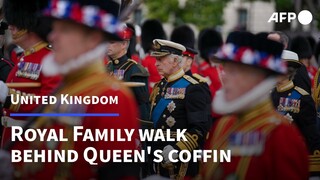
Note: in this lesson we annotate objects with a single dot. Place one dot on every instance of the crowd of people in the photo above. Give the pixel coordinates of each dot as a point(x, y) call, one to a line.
point(257, 95)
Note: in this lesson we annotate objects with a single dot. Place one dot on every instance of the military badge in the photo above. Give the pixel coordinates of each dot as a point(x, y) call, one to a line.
point(29, 70)
point(156, 46)
point(170, 121)
point(247, 143)
point(289, 105)
point(175, 93)
point(69, 108)
point(119, 73)
point(171, 106)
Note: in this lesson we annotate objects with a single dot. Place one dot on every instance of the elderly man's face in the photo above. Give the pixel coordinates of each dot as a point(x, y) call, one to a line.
point(238, 79)
point(70, 40)
point(166, 65)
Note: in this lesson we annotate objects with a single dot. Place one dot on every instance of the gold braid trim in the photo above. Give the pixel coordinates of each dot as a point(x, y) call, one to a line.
point(314, 162)
point(190, 144)
point(63, 169)
point(15, 93)
point(316, 89)
point(220, 140)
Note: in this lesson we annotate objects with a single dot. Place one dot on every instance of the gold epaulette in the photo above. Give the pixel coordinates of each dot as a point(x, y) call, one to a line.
point(314, 161)
point(190, 79)
point(199, 77)
point(301, 91)
point(135, 62)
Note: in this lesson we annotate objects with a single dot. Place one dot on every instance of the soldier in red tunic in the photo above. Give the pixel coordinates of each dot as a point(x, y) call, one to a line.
point(80, 30)
point(28, 32)
point(263, 144)
point(209, 41)
point(150, 30)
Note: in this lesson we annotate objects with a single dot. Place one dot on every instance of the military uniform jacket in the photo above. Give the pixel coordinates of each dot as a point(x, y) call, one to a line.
point(149, 63)
point(90, 81)
point(29, 70)
point(5, 68)
point(263, 146)
point(212, 74)
point(298, 107)
point(180, 102)
point(130, 71)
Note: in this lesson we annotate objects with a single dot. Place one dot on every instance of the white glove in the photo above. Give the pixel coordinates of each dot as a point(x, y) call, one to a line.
point(165, 154)
point(3, 91)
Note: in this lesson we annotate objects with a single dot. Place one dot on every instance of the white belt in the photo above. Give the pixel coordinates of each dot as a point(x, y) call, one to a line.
point(9, 122)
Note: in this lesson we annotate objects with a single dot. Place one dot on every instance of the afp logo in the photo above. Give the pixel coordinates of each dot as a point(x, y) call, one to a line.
point(304, 17)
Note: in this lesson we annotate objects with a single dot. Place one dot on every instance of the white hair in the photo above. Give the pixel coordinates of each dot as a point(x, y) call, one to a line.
point(178, 58)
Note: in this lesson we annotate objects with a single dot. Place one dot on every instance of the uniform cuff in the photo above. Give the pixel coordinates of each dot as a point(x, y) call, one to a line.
point(190, 144)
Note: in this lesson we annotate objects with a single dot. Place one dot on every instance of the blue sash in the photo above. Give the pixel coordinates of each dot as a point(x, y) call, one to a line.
point(163, 103)
point(295, 95)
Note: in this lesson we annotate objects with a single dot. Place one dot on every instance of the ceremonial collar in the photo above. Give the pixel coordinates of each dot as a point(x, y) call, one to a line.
point(285, 87)
point(175, 75)
point(189, 73)
point(120, 60)
point(261, 108)
point(35, 48)
point(52, 68)
point(96, 67)
point(249, 100)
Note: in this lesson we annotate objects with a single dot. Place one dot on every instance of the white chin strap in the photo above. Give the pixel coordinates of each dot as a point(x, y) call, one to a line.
point(51, 68)
point(251, 98)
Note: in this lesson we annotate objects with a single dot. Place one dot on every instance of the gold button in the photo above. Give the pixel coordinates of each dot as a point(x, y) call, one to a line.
point(164, 116)
point(116, 61)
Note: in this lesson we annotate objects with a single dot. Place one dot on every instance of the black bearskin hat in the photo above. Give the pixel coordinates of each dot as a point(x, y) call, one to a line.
point(151, 29)
point(183, 35)
point(301, 46)
point(209, 42)
point(25, 15)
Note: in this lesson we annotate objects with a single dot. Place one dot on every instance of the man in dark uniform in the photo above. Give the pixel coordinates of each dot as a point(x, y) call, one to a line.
point(178, 102)
point(128, 70)
point(123, 68)
point(184, 35)
point(296, 104)
point(301, 77)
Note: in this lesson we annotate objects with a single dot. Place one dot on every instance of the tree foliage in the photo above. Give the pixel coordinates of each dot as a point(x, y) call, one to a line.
point(202, 13)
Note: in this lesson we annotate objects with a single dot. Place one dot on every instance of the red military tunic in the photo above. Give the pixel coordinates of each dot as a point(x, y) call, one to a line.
point(90, 81)
point(212, 74)
point(149, 63)
point(263, 146)
point(28, 70)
